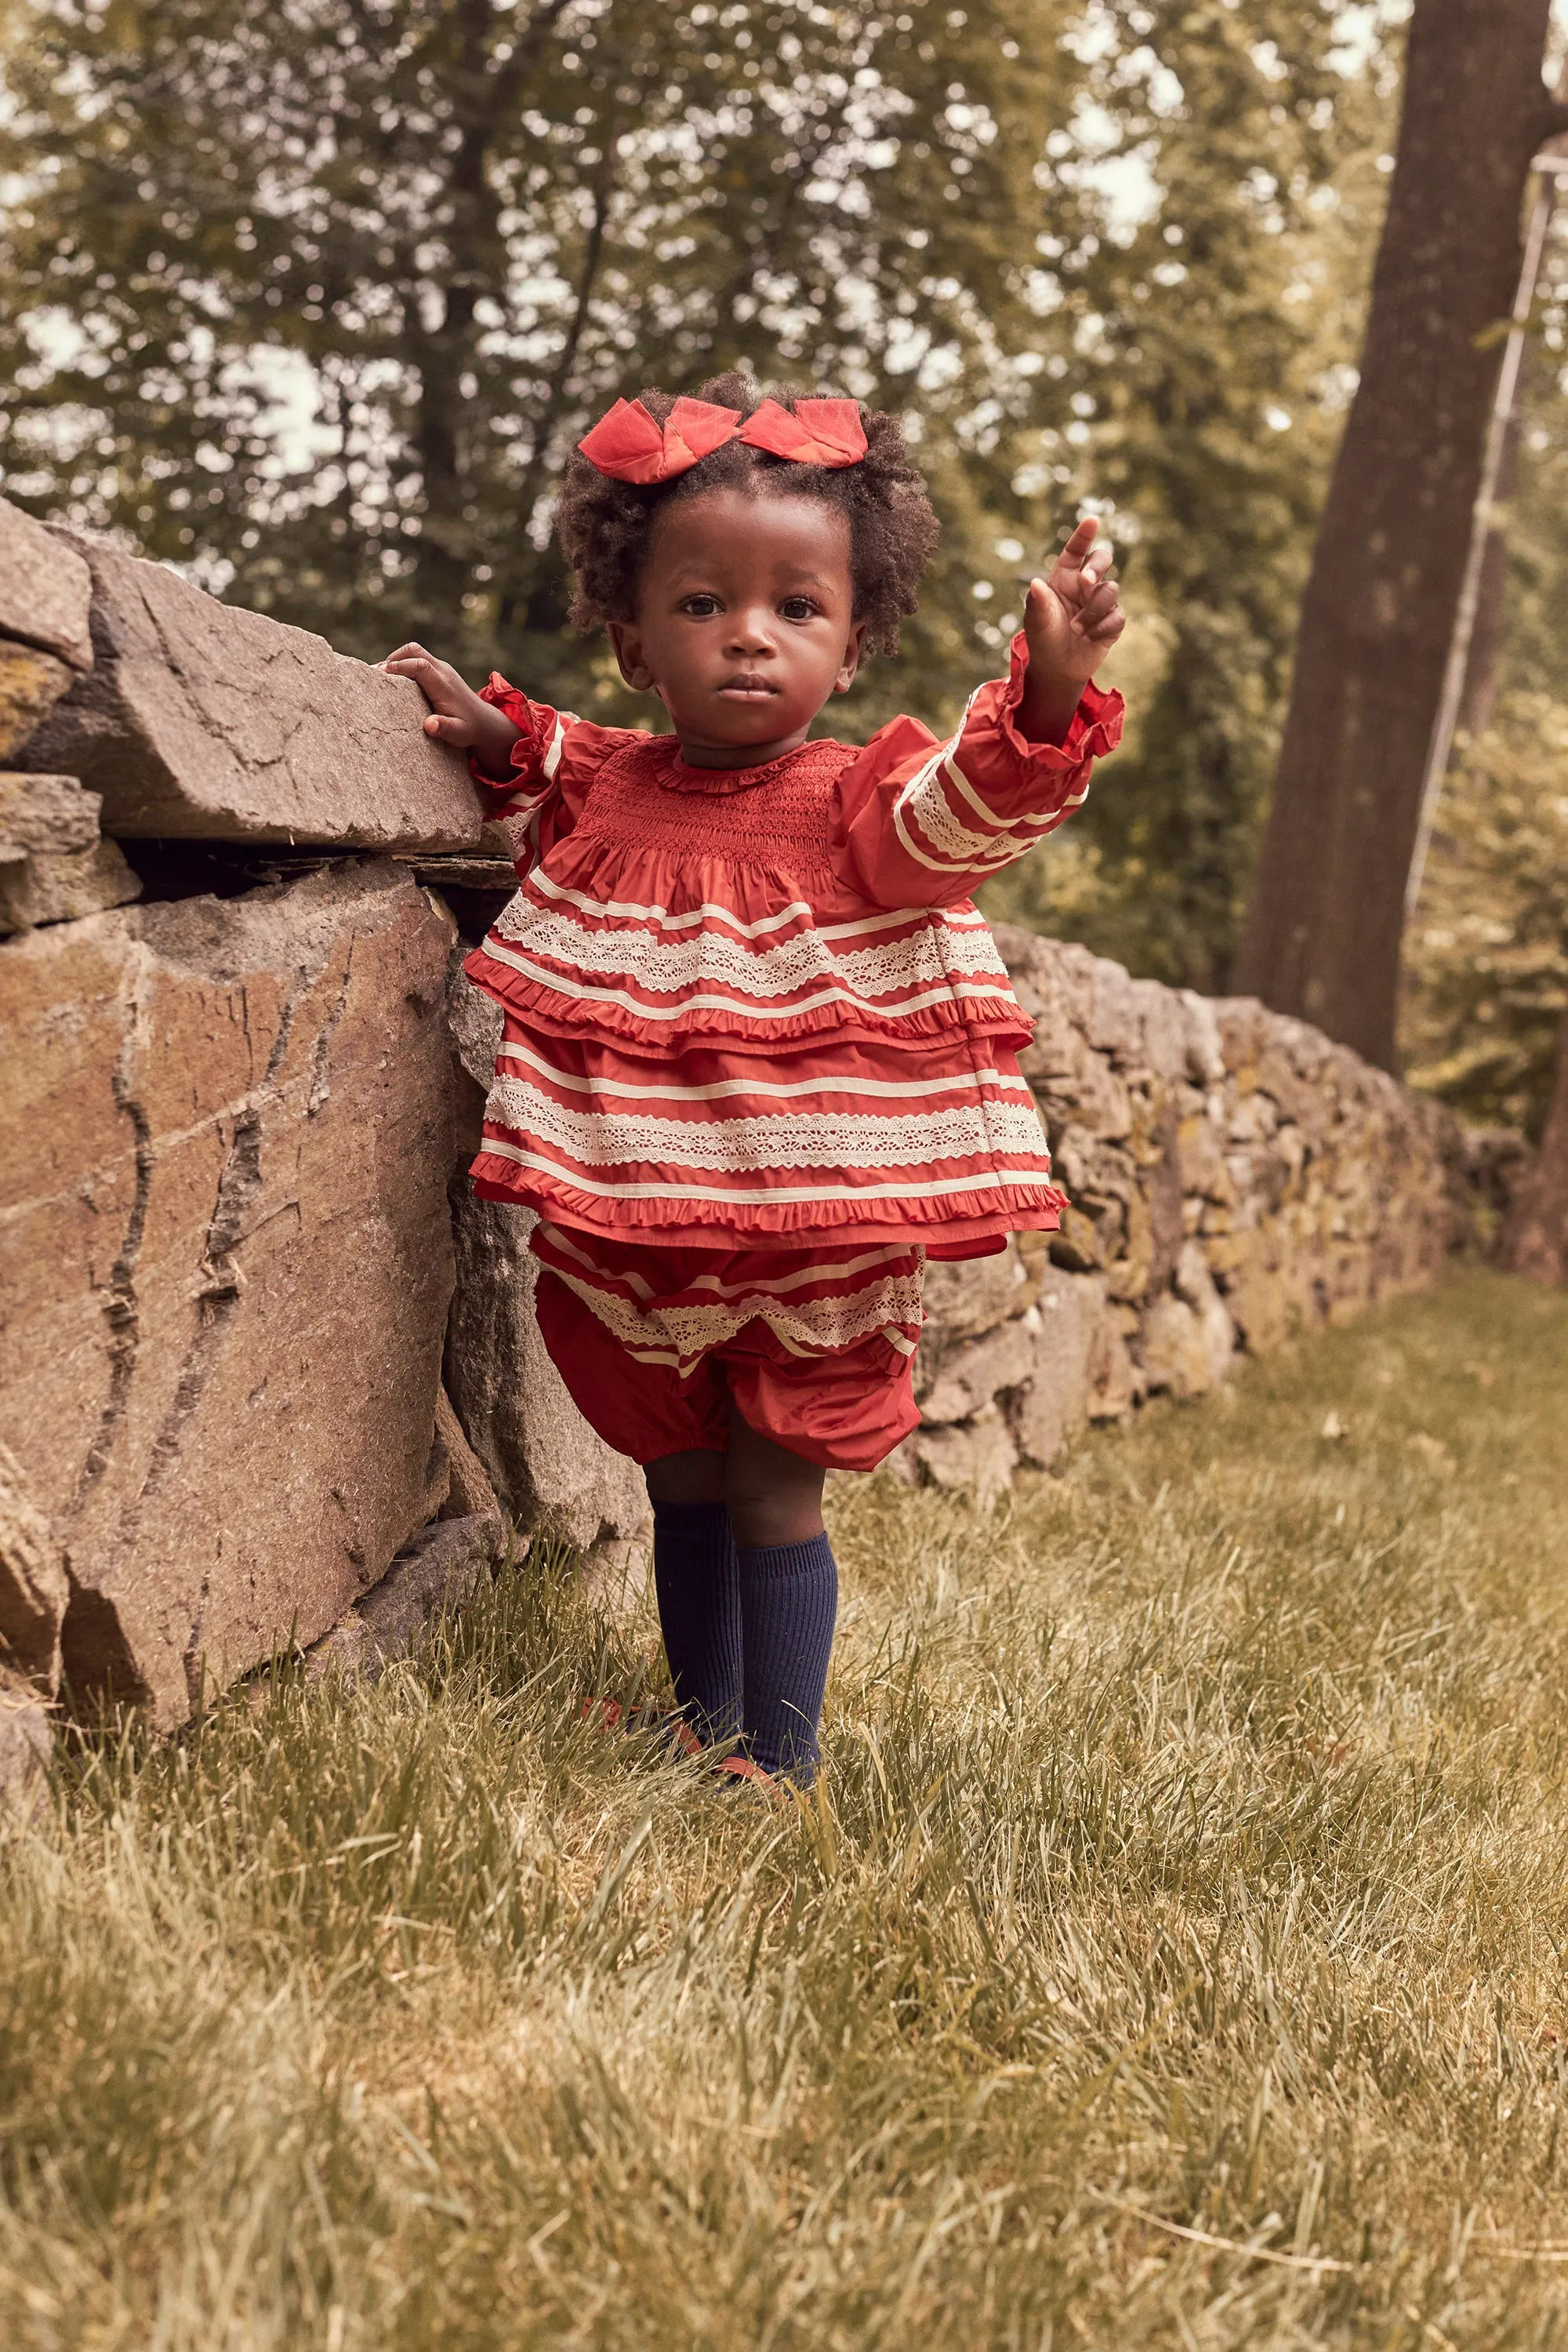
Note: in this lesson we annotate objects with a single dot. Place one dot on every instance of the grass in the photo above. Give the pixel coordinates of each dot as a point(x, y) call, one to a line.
point(1174, 1954)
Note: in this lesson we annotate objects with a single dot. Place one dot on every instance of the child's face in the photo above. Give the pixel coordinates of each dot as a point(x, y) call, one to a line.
point(744, 622)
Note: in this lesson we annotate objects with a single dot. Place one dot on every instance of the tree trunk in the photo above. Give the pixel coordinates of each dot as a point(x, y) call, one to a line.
point(1322, 931)
point(1479, 699)
point(1535, 1239)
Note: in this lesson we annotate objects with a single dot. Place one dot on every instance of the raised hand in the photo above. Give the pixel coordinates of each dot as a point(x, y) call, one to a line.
point(457, 715)
point(1071, 620)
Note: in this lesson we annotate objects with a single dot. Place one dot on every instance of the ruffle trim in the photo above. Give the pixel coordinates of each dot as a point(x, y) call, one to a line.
point(997, 1017)
point(1094, 730)
point(524, 717)
point(1009, 1209)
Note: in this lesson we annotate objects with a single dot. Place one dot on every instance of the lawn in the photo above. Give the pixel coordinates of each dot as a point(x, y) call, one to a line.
point(1175, 1953)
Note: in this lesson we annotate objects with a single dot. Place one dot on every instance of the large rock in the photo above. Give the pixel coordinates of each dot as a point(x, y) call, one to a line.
point(1055, 1405)
point(201, 720)
point(552, 1474)
point(45, 589)
point(37, 890)
point(225, 1262)
point(44, 817)
point(24, 1747)
point(53, 867)
point(435, 1574)
point(31, 683)
point(34, 1588)
point(980, 1454)
point(555, 1476)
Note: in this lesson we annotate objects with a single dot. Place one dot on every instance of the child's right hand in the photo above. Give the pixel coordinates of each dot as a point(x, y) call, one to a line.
point(457, 715)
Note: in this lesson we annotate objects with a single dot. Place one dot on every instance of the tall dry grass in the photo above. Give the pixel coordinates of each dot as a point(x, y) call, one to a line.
point(1172, 1955)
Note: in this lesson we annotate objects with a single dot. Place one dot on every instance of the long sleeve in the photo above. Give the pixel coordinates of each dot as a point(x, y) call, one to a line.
point(552, 760)
point(921, 824)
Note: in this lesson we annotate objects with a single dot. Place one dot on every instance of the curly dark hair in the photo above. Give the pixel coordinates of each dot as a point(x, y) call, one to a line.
point(604, 526)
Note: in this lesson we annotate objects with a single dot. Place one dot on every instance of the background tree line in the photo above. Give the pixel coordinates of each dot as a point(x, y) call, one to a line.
point(313, 297)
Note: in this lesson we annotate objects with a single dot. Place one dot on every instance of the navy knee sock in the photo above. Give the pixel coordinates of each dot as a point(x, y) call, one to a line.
point(789, 1600)
point(696, 1578)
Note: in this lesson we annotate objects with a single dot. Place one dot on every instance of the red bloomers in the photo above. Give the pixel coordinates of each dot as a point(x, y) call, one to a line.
point(814, 1349)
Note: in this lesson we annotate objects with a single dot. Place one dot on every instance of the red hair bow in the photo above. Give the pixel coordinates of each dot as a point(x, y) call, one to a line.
point(820, 432)
point(629, 447)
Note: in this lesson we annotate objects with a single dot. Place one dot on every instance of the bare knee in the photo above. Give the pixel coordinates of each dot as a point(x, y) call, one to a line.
point(775, 1496)
point(690, 1477)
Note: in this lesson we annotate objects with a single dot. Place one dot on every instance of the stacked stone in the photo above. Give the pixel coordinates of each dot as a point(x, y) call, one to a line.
point(234, 1110)
point(1233, 1177)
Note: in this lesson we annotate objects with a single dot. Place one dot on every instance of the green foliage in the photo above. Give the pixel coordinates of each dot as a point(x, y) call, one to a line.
point(1189, 1853)
point(1487, 957)
point(456, 229)
point(313, 297)
point(1486, 981)
point(1225, 404)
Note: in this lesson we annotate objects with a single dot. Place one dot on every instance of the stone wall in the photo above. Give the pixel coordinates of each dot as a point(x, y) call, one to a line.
point(1233, 1177)
point(268, 1373)
point(236, 1107)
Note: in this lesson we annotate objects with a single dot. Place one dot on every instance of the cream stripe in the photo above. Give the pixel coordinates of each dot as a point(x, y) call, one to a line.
point(974, 921)
point(814, 1328)
point(633, 910)
point(724, 1088)
point(778, 1011)
point(918, 782)
point(983, 809)
point(551, 761)
point(761, 970)
point(799, 1138)
point(634, 1281)
point(999, 1179)
point(937, 864)
point(889, 1253)
point(630, 910)
point(972, 853)
point(940, 820)
point(1010, 828)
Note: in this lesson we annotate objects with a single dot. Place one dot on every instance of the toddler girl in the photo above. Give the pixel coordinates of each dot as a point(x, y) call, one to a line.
point(758, 1056)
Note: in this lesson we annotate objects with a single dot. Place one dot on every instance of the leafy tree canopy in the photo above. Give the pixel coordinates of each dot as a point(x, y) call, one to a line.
point(313, 297)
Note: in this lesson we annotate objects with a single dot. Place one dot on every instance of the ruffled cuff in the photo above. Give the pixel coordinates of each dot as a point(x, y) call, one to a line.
point(1094, 729)
point(520, 711)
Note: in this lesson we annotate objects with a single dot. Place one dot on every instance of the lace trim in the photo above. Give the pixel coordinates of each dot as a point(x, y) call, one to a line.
point(834, 1140)
point(816, 1326)
point(927, 800)
point(668, 967)
point(948, 993)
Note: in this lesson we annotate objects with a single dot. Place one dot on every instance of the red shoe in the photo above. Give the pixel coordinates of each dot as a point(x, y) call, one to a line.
point(610, 1712)
point(740, 1769)
point(615, 1716)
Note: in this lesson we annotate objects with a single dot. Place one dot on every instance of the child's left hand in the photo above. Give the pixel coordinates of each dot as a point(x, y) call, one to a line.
point(1071, 620)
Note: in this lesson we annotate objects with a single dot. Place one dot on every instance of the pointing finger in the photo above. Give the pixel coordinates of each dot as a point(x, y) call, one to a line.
point(1083, 538)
